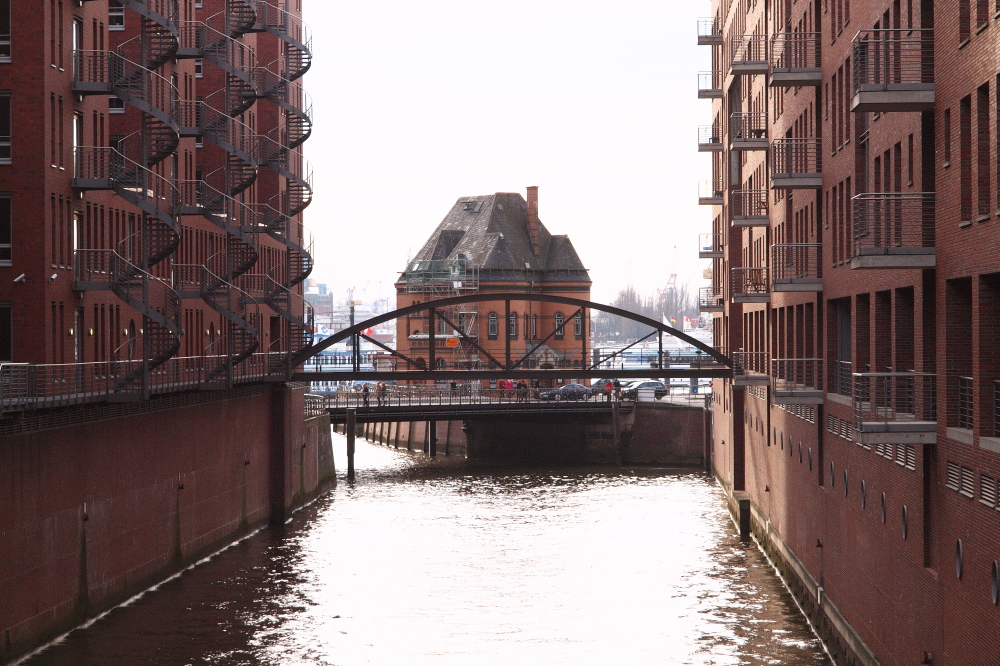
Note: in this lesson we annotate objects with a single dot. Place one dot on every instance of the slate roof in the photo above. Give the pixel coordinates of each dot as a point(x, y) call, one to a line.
point(491, 231)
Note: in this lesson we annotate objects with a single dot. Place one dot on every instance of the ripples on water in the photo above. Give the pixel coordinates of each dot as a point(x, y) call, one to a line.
point(443, 563)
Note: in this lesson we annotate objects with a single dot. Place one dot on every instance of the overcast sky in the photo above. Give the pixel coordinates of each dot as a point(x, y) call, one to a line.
point(420, 103)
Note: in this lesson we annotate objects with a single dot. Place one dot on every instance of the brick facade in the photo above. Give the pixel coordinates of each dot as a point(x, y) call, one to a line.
point(890, 400)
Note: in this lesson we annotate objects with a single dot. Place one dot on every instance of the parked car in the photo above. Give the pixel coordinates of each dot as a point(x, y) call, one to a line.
point(566, 392)
point(631, 392)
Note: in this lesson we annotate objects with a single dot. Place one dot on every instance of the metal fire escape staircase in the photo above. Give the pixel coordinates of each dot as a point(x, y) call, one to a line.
point(242, 337)
point(129, 73)
point(285, 229)
point(237, 60)
point(291, 307)
point(290, 164)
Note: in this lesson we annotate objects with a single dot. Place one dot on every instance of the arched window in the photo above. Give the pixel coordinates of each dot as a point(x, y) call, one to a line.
point(493, 326)
point(441, 364)
point(559, 325)
point(578, 325)
point(512, 326)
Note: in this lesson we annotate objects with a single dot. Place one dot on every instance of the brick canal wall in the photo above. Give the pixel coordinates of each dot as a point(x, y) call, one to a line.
point(651, 434)
point(92, 514)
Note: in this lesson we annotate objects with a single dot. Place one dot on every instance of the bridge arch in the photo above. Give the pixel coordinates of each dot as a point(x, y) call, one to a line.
point(443, 303)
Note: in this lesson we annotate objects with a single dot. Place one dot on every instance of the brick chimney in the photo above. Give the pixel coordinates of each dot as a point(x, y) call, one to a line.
point(533, 223)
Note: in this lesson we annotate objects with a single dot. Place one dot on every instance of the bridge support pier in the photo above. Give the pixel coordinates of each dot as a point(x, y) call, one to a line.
point(350, 429)
point(432, 438)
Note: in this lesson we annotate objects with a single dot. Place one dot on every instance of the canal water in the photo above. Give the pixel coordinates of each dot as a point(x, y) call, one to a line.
point(449, 563)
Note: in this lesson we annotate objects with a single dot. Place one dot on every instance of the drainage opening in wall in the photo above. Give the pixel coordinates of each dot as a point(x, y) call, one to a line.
point(996, 583)
point(959, 559)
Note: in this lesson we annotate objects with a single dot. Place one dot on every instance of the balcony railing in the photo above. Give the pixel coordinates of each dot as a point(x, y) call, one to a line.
point(709, 300)
point(895, 407)
point(965, 402)
point(710, 138)
point(795, 59)
point(709, 246)
point(751, 368)
point(893, 230)
point(797, 381)
point(749, 284)
point(709, 31)
point(748, 131)
point(710, 192)
point(749, 208)
point(749, 54)
point(797, 267)
point(710, 85)
point(893, 70)
point(996, 408)
point(796, 164)
point(843, 378)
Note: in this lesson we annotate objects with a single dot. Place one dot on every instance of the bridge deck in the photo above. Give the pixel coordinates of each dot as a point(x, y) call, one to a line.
point(427, 405)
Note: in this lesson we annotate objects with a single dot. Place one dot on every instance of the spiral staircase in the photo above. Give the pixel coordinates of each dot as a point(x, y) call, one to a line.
point(128, 72)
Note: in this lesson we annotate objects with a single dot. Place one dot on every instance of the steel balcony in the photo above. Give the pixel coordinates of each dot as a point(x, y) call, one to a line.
point(709, 300)
point(748, 131)
point(893, 70)
point(710, 192)
point(796, 267)
point(895, 407)
point(749, 55)
point(710, 246)
point(751, 368)
point(710, 138)
point(797, 381)
point(710, 85)
point(709, 31)
point(893, 230)
point(796, 164)
point(749, 284)
point(749, 208)
point(795, 59)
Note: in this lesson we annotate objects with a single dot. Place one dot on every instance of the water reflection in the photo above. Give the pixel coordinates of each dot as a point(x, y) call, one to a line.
point(420, 562)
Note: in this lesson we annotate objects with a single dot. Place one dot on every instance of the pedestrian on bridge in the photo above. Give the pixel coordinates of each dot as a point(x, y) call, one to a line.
point(364, 394)
point(618, 390)
point(608, 388)
point(380, 389)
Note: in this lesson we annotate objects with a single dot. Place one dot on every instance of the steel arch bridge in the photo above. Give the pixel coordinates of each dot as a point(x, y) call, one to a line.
point(706, 362)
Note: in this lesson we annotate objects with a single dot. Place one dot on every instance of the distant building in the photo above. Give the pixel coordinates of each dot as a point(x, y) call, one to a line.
point(496, 243)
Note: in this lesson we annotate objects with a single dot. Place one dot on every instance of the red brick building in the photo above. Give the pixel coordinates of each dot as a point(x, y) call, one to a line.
point(496, 243)
point(151, 190)
point(856, 282)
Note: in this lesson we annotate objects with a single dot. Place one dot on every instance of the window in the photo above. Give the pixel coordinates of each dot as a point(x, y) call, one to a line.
point(4, 30)
point(512, 326)
point(116, 15)
point(6, 222)
point(199, 68)
point(6, 332)
point(559, 325)
point(5, 151)
point(534, 327)
point(492, 330)
point(578, 325)
point(116, 104)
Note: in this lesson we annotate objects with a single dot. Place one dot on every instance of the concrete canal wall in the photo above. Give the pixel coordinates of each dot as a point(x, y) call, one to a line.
point(97, 510)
